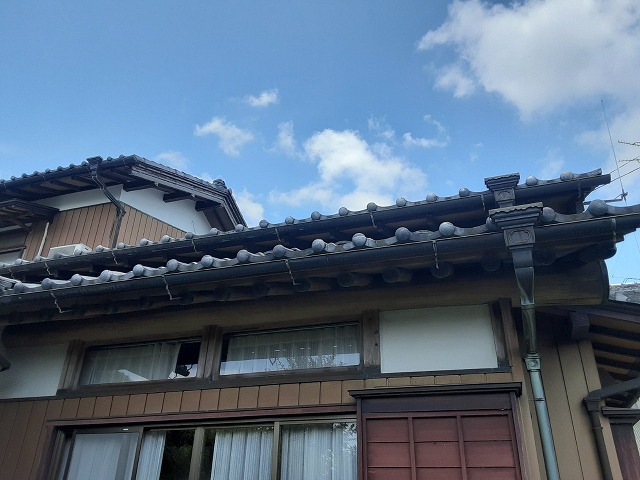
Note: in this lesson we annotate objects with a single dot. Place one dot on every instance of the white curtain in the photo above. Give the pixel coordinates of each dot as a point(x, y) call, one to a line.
point(154, 361)
point(103, 456)
point(319, 452)
point(242, 454)
point(150, 461)
point(301, 349)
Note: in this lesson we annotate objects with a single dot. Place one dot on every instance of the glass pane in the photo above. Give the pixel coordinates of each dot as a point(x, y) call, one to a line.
point(318, 452)
point(237, 454)
point(135, 363)
point(176, 460)
point(300, 349)
point(102, 456)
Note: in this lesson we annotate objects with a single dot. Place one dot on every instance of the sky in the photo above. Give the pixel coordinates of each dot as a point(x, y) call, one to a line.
point(310, 106)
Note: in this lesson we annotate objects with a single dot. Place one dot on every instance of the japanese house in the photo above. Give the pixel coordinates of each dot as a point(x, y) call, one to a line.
point(456, 337)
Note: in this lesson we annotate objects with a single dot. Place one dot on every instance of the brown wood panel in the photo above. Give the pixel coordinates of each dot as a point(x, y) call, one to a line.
point(437, 454)
point(70, 407)
point(489, 454)
point(398, 381)
point(310, 393)
point(438, 429)
point(288, 395)
point(438, 474)
point(481, 428)
point(29, 451)
point(74, 231)
point(53, 411)
point(388, 454)
point(627, 450)
point(375, 382)
point(381, 430)
point(119, 405)
point(577, 388)
point(102, 407)
point(209, 399)
point(136, 404)
point(190, 401)
point(268, 396)
point(18, 431)
point(389, 474)
point(447, 379)
point(228, 398)
point(330, 392)
point(128, 221)
point(248, 397)
point(423, 380)
point(33, 240)
point(491, 474)
point(86, 407)
point(350, 385)
point(171, 402)
point(558, 405)
point(154, 403)
point(103, 221)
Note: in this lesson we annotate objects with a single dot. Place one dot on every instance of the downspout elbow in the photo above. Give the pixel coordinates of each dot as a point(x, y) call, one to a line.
point(94, 166)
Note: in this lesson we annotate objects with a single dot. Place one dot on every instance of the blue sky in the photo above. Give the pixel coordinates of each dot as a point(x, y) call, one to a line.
point(303, 106)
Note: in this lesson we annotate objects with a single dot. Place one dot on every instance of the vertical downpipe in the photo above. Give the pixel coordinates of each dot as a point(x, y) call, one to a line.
point(517, 224)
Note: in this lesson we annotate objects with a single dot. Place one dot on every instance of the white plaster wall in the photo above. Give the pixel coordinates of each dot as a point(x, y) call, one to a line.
point(180, 214)
point(34, 372)
point(80, 199)
point(443, 338)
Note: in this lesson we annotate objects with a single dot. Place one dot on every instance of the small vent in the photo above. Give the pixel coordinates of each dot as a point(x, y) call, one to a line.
point(68, 250)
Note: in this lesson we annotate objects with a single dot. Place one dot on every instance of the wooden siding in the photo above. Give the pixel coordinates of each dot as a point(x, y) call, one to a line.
point(569, 373)
point(24, 426)
point(93, 226)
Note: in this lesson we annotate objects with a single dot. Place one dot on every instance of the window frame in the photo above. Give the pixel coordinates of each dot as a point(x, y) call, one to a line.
point(77, 355)
point(64, 438)
point(293, 374)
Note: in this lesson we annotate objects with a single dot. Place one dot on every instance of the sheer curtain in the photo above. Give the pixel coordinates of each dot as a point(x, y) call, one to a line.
point(319, 452)
point(150, 461)
point(242, 454)
point(154, 361)
point(297, 349)
point(103, 456)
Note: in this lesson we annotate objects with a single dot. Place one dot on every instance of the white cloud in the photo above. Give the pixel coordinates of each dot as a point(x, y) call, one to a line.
point(352, 173)
point(441, 139)
point(285, 142)
point(264, 98)
point(173, 159)
point(230, 138)
point(381, 128)
point(541, 54)
point(552, 166)
point(251, 209)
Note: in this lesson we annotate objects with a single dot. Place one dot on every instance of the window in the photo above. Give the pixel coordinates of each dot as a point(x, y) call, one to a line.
point(293, 349)
point(318, 449)
point(11, 245)
point(140, 362)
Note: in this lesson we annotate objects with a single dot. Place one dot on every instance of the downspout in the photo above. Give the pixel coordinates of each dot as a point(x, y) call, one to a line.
point(592, 402)
point(517, 224)
point(94, 164)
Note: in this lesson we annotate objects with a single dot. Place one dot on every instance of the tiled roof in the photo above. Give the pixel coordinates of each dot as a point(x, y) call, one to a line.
point(207, 247)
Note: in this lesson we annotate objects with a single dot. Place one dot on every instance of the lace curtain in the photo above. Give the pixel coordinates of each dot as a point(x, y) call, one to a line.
point(102, 456)
point(151, 452)
point(154, 361)
point(319, 452)
point(242, 454)
point(323, 347)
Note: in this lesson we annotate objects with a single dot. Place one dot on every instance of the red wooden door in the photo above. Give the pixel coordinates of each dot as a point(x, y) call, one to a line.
point(440, 446)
